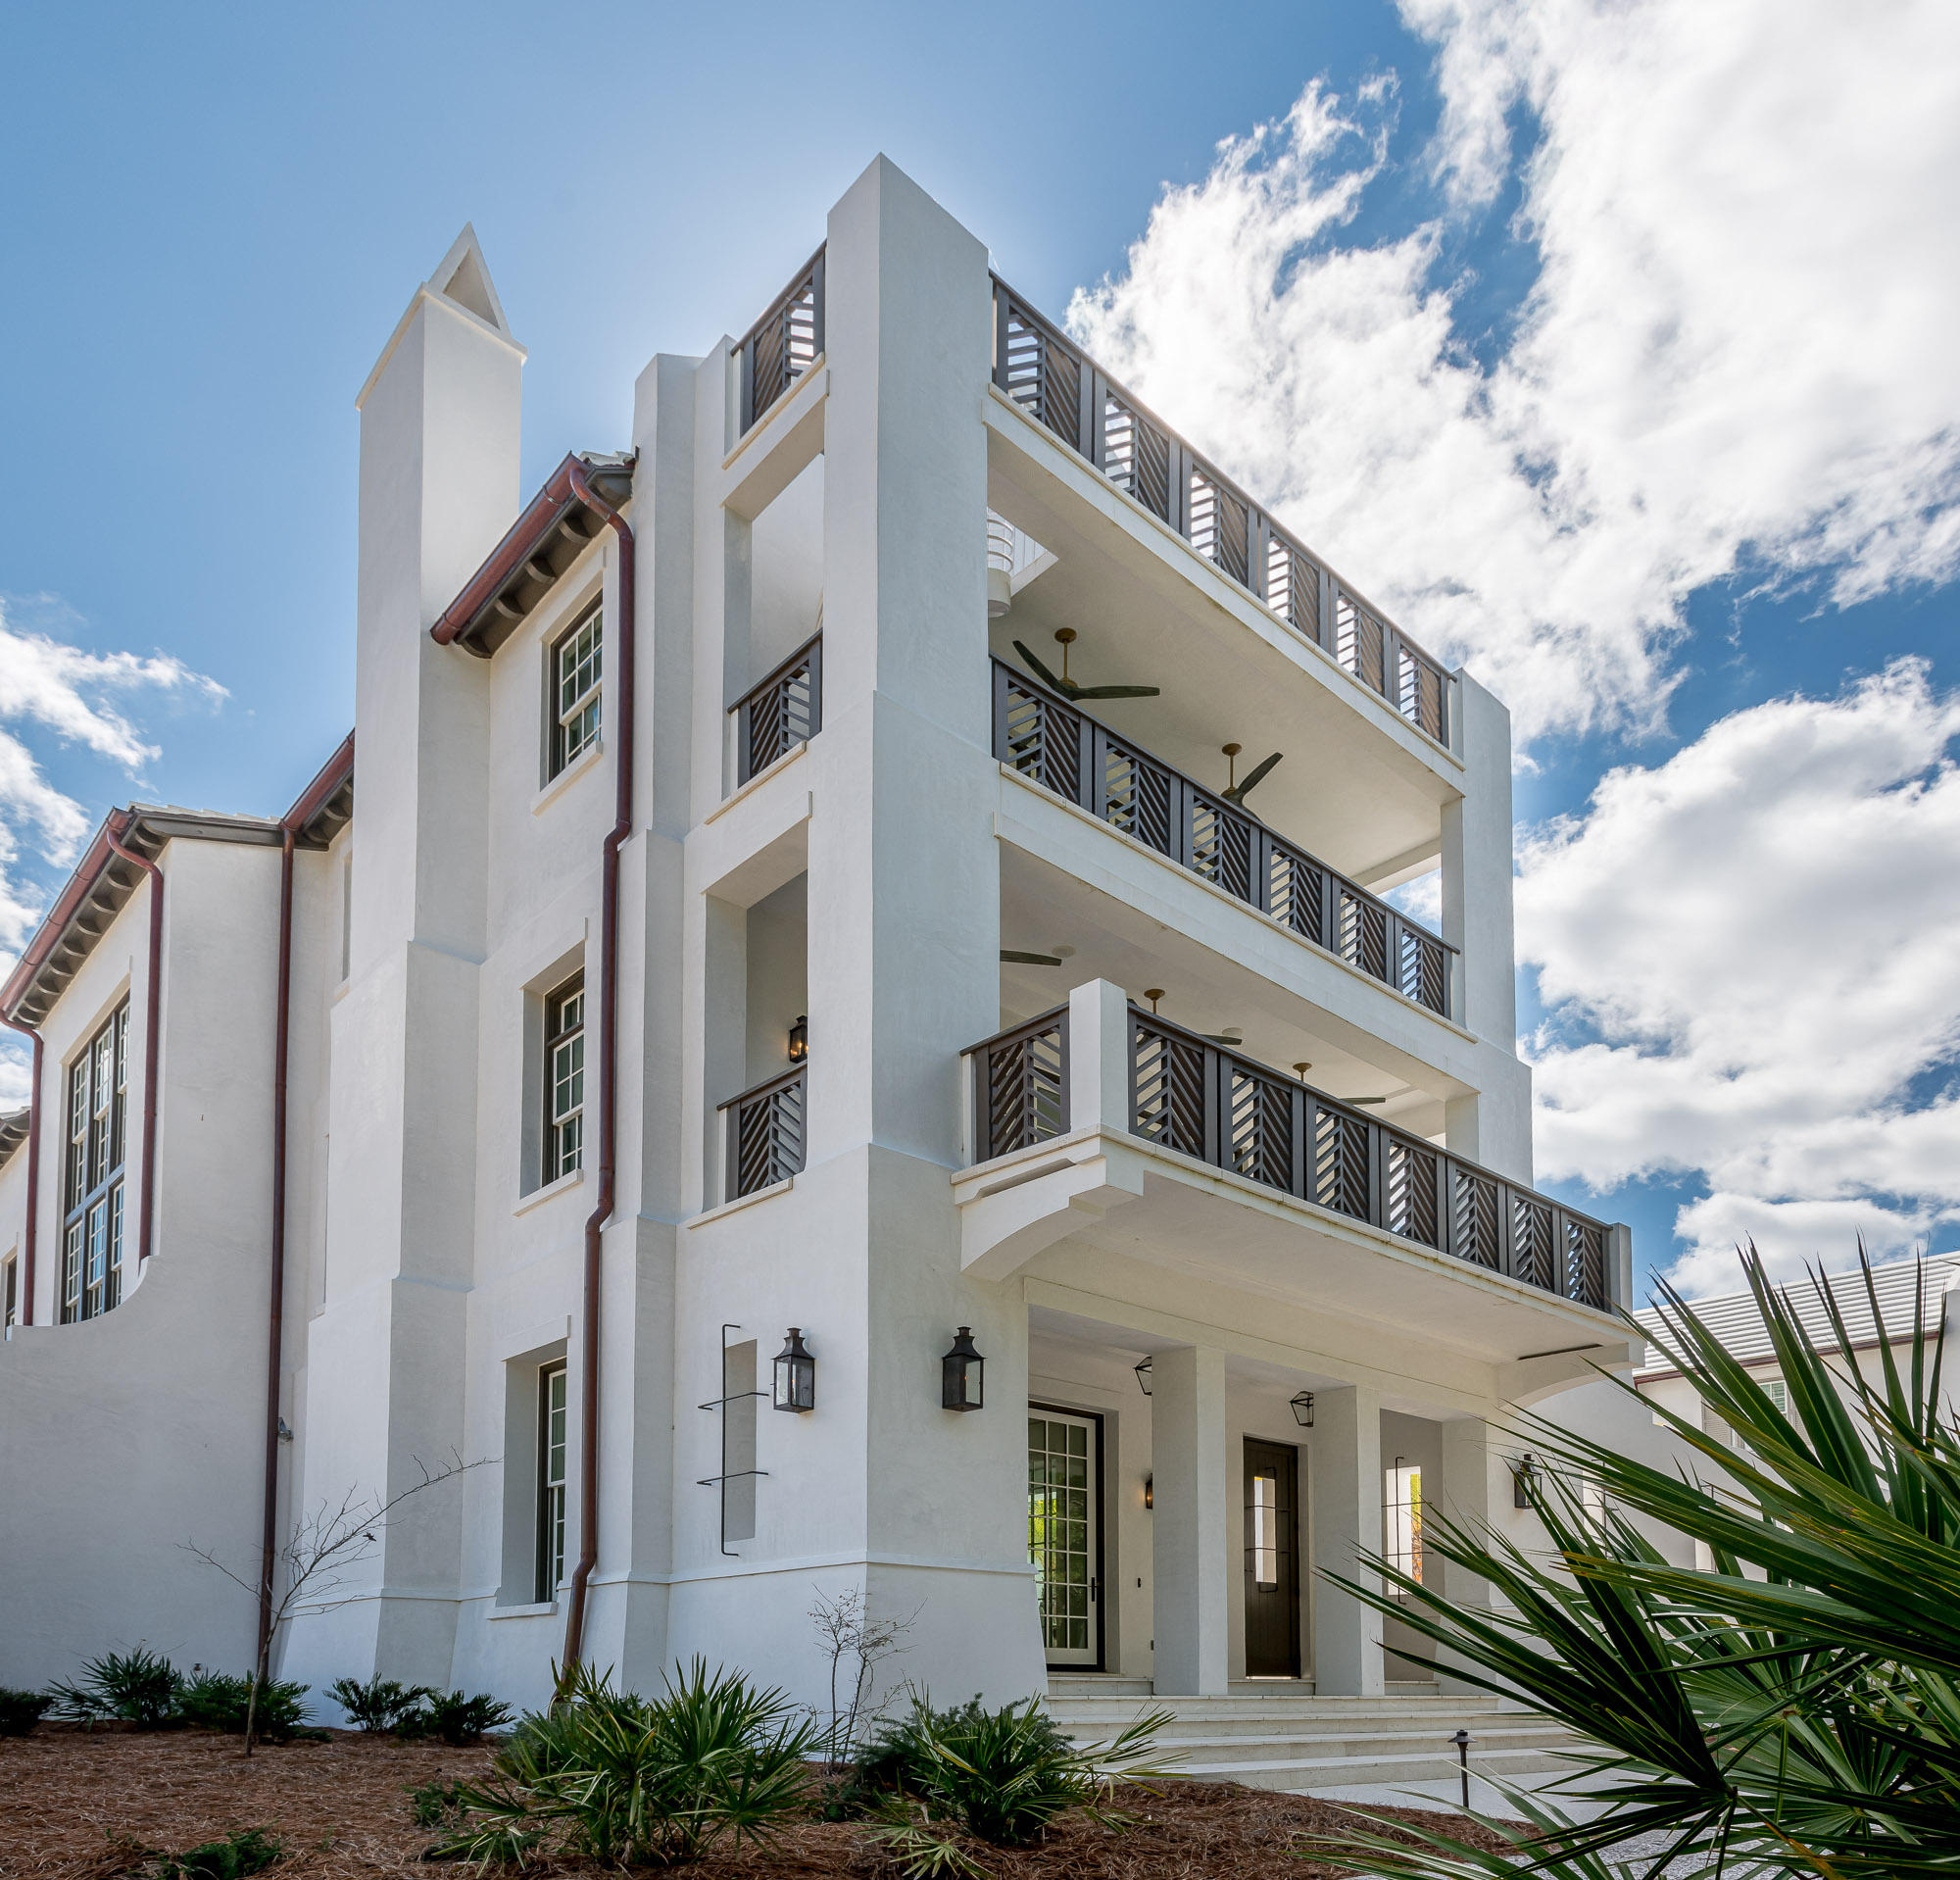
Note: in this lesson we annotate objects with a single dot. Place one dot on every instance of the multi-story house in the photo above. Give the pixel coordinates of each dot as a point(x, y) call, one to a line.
point(808, 883)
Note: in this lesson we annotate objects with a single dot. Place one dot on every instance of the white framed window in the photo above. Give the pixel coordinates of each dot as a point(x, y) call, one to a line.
point(565, 1079)
point(92, 1172)
point(1402, 1512)
point(575, 671)
point(10, 1296)
point(1778, 1394)
point(551, 1482)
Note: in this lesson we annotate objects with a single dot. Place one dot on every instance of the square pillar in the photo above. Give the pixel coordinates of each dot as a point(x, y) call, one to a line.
point(1191, 1538)
point(1475, 1475)
point(1102, 1082)
point(1347, 1488)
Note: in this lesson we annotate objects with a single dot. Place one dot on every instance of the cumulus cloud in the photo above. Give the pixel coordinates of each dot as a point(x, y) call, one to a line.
point(1747, 953)
point(1735, 358)
point(83, 699)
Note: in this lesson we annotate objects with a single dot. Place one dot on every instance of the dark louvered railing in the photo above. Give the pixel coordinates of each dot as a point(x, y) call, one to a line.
point(781, 712)
point(1051, 379)
point(1190, 1094)
point(1043, 738)
point(766, 1139)
point(783, 344)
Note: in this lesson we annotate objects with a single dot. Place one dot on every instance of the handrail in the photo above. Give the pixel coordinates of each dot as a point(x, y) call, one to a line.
point(1193, 1097)
point(783, 344)
point(780, 711)
point(766, 1133)
point(1044, 737)
point(1040, 368)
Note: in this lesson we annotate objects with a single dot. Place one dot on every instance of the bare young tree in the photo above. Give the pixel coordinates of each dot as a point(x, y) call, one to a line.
point(857, 1643)
point(318, 1558)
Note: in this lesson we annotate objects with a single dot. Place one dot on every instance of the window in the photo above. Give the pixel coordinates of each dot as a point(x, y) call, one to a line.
point(575, 692)
point(1265, 1529)
point(551, 1482)
point(10, 1300)
point(92, 1175)
point(565, 1079)
point(1778, 1394)
point(1403, 1511)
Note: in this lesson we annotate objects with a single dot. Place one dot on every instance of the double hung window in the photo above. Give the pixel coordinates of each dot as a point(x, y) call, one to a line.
point(92, 1172)
point(575, 660)
point(564, 1080)
point(551, 1482)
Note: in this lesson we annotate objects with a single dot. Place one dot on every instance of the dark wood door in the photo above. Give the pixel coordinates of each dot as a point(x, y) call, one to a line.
point(1272, 1560)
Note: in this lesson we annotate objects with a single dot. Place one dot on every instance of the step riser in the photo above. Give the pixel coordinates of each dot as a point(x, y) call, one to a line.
point(1338, 1748)
point(1392, 1775)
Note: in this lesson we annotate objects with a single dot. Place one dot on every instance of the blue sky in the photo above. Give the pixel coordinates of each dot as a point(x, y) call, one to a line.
point(1648, 422)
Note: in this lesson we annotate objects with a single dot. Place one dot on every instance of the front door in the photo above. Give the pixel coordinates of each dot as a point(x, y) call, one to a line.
point(1065, 1532)
point(1272, 1560)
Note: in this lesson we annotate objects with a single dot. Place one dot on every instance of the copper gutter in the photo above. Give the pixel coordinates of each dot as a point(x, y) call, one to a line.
point(609, 1064)
point(34, 1168)
point(152, 1013)
point(338, 768)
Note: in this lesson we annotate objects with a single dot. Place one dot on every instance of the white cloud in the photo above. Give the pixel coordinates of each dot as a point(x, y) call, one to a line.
point(1737, 356)
point(1747, 956)
point(80, 698)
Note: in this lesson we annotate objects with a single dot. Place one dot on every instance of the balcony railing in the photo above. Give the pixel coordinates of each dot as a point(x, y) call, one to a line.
point(1051, 379)
point(1040, 735)
point(765, 1134)
point(1190, 1094)
point(782, 345)
point(781, 712)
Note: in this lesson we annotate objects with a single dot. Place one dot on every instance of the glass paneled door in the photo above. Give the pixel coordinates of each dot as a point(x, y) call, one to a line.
point(1065, 1532)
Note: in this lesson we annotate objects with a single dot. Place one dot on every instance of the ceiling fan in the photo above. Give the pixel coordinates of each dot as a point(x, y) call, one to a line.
point(1235, 791)
point(1067, 687)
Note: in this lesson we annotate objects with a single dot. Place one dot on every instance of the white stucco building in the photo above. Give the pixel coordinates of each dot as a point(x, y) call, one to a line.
point(717, 925)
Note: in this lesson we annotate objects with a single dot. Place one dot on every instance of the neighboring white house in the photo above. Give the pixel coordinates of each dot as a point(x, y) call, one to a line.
point(724, 929)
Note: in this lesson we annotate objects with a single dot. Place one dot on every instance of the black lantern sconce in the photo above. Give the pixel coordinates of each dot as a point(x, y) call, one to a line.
point(800, 1038)
point(1524, 1478)
point(1150, 1489)
point(1302, 1409)
point(962, 1374)
point(796, 1374)
point(1144, 1377)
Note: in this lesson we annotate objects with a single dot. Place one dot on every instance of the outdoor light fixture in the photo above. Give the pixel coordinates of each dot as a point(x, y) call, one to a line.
point(1150, 1489)
point(962, 1374)
point(800, 1039)
point(796, 1374)
point(1302, 1409)
point(1144, 1377)
point(1524, 1477)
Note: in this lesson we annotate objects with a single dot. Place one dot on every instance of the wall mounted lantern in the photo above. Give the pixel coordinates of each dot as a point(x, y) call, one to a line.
point(796, 1374)
point(800, 1038)
point(1150, 1489)
point(962, 1374)
point(1302, 1409)
point(1524, 1478)
point(1144, 1377)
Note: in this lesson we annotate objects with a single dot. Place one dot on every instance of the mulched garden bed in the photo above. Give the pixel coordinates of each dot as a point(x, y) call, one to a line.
point(80, 1806)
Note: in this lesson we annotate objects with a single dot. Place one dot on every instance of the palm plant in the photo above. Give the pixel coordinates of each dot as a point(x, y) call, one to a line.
point(1795, 1707)
point(621, 1779)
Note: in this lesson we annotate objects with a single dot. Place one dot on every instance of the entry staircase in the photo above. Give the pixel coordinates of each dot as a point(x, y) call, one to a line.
point(1271, 1736)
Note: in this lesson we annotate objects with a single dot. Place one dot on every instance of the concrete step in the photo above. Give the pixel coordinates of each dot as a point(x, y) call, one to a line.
point(1315, 1774)
point(1359, 1743)
point(1212, 1714)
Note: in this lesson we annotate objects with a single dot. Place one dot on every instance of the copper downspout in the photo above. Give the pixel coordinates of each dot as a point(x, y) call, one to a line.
point(337, 769)
point(609, 1062)
point(152, 1019)
point(33, 1171)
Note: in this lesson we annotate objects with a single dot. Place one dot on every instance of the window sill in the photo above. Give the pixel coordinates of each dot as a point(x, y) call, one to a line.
point(565, 778)
point(539, 1609)
point(549, 1192)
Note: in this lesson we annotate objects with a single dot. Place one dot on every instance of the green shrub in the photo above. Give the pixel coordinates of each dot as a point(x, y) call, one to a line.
point(456, 1718)
point(215, 1701)
point(138, 1687)
point(21, 1710)
point(250, 1851)
point(624, 1779)
point(380, 1706)
point(1002, 1775)
point(437, 1804)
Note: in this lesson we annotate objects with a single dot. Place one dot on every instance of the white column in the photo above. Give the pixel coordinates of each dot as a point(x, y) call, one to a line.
point(1346, 1477)
point(1191, 1537)
point(1099, 1077)
point(1467, 1494)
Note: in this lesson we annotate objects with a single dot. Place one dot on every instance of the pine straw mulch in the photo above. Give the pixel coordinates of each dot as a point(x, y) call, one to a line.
point(90, 1806)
